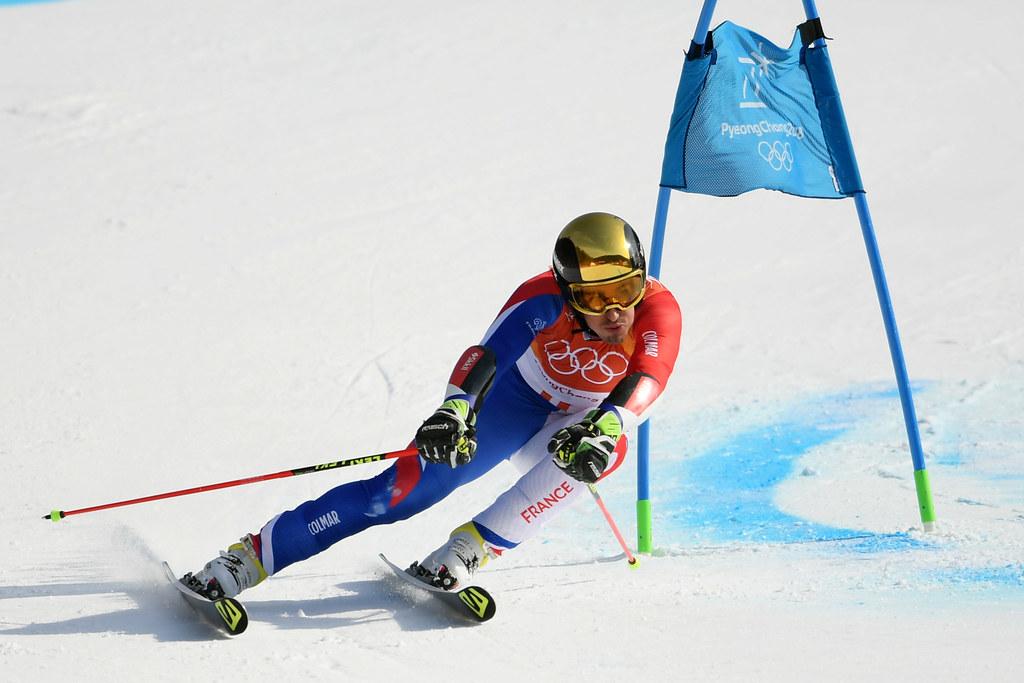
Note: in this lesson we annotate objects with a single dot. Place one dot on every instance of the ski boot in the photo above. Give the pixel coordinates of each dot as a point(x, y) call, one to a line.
point(231, 572)
point(453, 564)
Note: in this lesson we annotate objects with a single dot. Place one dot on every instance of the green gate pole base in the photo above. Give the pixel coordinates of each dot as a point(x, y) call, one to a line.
point(643, 527)
point(924, 499)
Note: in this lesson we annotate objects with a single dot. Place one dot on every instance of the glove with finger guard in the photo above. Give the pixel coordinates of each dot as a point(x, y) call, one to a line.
point(583, 449)
point(449, 435)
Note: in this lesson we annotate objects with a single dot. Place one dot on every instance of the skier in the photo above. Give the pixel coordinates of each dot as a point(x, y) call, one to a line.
point(575, 358)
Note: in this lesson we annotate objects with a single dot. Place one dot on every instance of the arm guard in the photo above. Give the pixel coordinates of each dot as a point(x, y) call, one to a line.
point(473, 376)
point(631, 398)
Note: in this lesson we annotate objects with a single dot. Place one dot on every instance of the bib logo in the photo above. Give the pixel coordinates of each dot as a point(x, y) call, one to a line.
point(594, 368)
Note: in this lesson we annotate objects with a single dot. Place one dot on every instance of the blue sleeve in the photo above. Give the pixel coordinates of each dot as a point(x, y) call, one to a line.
point(516, 326)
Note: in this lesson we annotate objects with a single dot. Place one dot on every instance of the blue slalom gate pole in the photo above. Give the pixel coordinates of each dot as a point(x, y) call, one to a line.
point(644, 524)
point(704, 21)
point(921, 482)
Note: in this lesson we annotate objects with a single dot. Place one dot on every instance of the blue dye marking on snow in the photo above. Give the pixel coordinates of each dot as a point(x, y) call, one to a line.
point(726, 493)
point(1006, 476)
point(881, 543)
point(947, 460)
point(1007, 575)
point(728, 490)
point(4, 3)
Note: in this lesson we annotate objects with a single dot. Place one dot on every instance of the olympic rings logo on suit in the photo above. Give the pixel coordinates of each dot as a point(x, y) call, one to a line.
point(585, 361)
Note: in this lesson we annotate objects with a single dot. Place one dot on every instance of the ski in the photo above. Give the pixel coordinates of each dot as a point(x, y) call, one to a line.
point(471, 602)
point(226, 614)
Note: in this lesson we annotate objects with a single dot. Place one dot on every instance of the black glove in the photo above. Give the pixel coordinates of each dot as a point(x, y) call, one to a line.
point(449, 435)
point(582, 450)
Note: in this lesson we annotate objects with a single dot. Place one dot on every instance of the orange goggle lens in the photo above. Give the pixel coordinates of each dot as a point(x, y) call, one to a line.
point(595, 298)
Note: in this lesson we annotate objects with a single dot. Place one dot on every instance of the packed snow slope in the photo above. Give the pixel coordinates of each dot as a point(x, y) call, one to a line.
point(242, 237)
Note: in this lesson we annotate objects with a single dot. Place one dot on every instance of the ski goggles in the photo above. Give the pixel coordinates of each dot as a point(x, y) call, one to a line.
point(594, 298)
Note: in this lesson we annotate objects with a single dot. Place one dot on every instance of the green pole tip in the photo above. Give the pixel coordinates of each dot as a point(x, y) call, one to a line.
point(644, 526)
point(635, 564)
point(55, 515)
point(924, 498)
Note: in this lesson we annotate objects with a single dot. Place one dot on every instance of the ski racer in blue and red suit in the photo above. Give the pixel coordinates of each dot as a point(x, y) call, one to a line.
point(575, 358)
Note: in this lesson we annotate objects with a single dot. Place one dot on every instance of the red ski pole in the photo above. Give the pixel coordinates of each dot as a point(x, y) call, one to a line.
point(630, 558)
point(58, 515)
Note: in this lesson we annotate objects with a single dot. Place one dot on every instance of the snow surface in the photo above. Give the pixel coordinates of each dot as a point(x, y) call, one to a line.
point(242, 237)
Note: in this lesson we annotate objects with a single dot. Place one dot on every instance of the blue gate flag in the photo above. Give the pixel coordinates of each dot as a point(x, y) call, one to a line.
point(750, 115)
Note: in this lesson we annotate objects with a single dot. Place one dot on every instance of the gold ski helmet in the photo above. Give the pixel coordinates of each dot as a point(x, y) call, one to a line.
point(599, 263)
